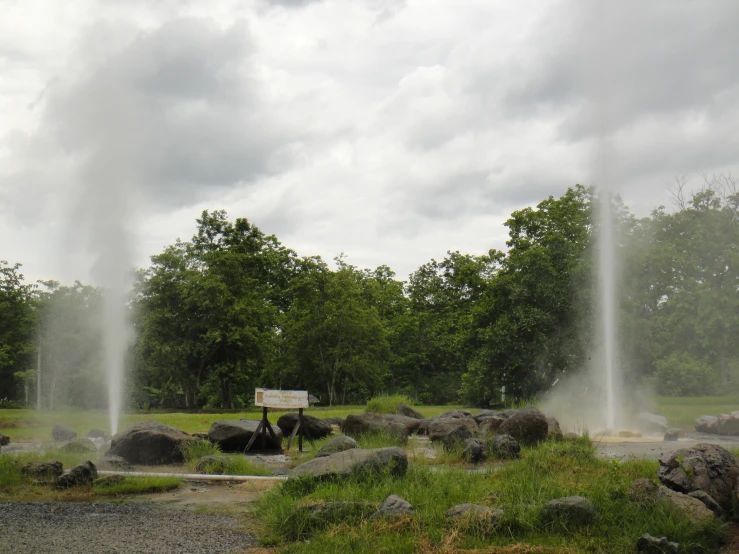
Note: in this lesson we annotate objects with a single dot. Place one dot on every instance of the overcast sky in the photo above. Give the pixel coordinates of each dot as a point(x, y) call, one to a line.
point(391, 130)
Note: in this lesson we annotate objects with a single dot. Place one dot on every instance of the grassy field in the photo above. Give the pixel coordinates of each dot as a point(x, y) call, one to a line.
point(22, 425)
point(520, 488)
point(31, 425)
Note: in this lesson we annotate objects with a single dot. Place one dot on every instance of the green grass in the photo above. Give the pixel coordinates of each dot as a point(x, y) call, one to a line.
point(138, 485)
point(681, 412)
point(22, 425)
point(196, 450)
point(237, 464)
point(387, 404)
point(548, 471)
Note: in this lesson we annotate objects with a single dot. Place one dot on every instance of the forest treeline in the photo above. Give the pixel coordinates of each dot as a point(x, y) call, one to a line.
point(233, 308)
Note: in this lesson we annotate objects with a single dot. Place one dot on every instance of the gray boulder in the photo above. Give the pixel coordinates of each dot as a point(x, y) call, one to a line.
point(671, 435)
point(4, 439)
point(439, 428)
point(455, 414)
point(407, 411)
point(505, 447)
point(554, 432)
point(691, 508)
point(651, 423)
point(337, 444)
point(80, 475)
point(394, 506)
point(410, 424)
point(369, 422)
point(212, 465)
point(571, 510)
point(97, 434)
point(79, 446)
point(474, 511)
point(527, 426)
point(356, 461)
point(704, 467)
point(706, 424)
point(313, 427)
point(150, 443)
point(115, 463)
point(652, 545)
point(456, 437)
point(473, 451)
point(490, 426)
point(63, 433)
point(643, 490)
point(233, 436)
point(43, 471)
point(484, 414)
point(728, 424)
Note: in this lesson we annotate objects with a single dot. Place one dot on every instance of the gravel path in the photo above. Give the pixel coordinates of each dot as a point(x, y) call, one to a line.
point(101, 528)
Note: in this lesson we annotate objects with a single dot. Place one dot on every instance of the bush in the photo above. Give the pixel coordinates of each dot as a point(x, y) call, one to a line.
point(684, 375)
point(387, 404)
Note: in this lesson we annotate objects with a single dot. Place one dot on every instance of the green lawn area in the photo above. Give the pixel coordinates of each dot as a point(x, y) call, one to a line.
point(31, 425)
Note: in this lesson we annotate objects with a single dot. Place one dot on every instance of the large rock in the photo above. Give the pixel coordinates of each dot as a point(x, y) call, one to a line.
point(571, 510)
point(505, 447)
point(651, 423)
point(79, 446)
point(438, 428)
point(455, 414)
point(410, 424)
point(4, 439)
point(652, 545)
point(63, 433)
point(43, 471)
point(150, 443)
point(313, 427)
point(407, 411)
point(728, 424)
point(355, 461)
point(705, 467)
point(456, 437)
point(527, 426)
point(233, 436)
point(692, 508)
point(706, 424)
point(484, 414)
point(708, 502)
point(490, 426)
point(394, 506)
point(555, 431)
point(80, 475)
point(337, 444)
point(473, 451)
point(369, 422)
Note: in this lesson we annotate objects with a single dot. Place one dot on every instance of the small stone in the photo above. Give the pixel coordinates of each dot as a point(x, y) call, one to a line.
point(212, 465)
point(108, 480)
point(394, 506)
point(82, 474)
point(473, 451)
point(63, 433)
point(506, 447)
point(474, 511)
point(652, 545)
point(115, 463)
point(571, 510)
point(643, 490)
point(555, 431)
point(337, 444)
point(79, 446)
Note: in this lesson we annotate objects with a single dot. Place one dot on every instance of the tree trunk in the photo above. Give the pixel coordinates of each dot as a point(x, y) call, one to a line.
point(226, 393)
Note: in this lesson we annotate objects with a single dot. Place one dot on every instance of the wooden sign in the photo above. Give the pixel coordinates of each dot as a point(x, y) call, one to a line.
point(281, 399)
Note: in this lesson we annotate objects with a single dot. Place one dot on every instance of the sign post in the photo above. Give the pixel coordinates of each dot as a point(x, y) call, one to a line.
point(281, 400)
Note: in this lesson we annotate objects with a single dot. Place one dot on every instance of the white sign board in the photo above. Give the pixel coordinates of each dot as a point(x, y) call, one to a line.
point(281, 399)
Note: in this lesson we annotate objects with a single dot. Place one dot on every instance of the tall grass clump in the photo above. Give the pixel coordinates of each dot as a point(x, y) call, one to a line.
point(521, 488)
point(10, 473)
point(193, 451)
point(387, 404)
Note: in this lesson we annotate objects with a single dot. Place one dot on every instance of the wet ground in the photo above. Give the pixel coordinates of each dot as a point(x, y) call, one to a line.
point(652, 447)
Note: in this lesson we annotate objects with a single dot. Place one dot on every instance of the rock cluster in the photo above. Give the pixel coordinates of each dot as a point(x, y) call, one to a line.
point(724, 424)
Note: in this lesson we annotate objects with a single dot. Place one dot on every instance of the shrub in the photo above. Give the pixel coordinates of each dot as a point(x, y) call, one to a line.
point(385, 404)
